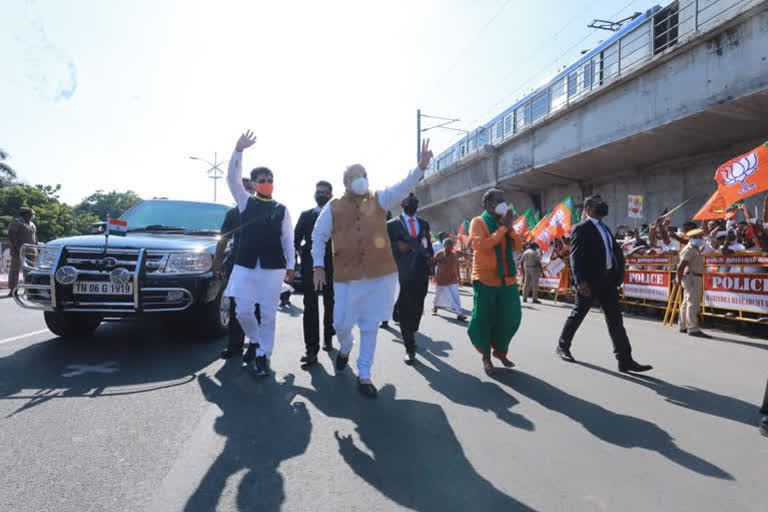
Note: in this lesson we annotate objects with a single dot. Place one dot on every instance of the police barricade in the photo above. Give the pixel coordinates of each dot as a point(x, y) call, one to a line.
point(736, 287)
point(647, 280)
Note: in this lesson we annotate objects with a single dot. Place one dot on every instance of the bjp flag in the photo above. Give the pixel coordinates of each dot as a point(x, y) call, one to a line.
point(744, 176)
point(555, 224)
point(712, 209)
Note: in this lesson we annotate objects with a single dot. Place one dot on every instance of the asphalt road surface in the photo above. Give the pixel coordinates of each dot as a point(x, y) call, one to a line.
point(144, 417)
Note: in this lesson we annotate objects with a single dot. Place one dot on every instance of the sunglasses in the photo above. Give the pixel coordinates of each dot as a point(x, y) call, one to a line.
point(264, 180)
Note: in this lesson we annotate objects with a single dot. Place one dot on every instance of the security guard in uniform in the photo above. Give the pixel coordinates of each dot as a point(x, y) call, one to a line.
point(21, 231)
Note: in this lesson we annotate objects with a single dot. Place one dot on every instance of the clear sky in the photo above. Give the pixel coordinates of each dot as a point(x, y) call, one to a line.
point(118, 94)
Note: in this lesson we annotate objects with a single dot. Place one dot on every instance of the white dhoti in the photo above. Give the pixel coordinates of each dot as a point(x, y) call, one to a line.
point(364, 303)
point(257, 286)
point(447, 297)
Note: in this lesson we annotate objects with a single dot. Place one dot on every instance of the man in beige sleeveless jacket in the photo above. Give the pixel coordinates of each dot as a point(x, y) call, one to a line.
point(365, 274)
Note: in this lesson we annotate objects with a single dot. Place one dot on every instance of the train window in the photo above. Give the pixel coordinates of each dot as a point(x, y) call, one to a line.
point(508, 123)
point(540, 105)
point(665, 24)
point(522, 116)
point(573, 80)
point(589, 74)
point(499, 130)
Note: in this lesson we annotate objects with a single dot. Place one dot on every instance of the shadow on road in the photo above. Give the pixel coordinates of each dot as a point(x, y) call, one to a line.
point(617, 429)
point(119, 359)
point(262, 428)
point(692, 398)
point(466, 389)
point(417, 460)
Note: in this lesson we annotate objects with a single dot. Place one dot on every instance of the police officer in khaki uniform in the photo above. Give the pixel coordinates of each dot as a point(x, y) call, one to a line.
point(531, 263)
point(692, 261)
point(21, 231)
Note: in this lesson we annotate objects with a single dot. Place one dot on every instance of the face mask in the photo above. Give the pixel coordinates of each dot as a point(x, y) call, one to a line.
point(359, 186)
point(501, 209)
point(448, 249)
point(602, 209)
point(410, 208)
point(265, 189)
point(321, 200)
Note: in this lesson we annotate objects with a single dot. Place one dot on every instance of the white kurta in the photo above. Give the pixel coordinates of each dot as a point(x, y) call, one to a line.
point(447, 297)
point(251, 286)
point(363, 302)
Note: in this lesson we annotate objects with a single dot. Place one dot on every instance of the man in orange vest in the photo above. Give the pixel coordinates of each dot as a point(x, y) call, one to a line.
point(364, 271)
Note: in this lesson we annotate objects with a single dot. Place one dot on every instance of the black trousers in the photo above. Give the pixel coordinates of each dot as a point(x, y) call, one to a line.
point(236, 334)
point(409, 309)
point(764, 408)
point(606, 293)
point(312, 313)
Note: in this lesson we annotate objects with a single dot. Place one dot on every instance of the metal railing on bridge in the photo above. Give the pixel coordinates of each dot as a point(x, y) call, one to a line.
point(656, 32)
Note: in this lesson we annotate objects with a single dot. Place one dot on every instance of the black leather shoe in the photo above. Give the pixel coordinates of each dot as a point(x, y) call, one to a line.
point(384, 325)
point(328, 345)
point(367, 388)
point(231, 352)
point(565, 354)
point(410, 358)
point(250, 353)
point(309, 358)
point(764, 426)
point(699, 334)
point(341, 361)
point(536, 301)
point(683, 331)
point(634, 366)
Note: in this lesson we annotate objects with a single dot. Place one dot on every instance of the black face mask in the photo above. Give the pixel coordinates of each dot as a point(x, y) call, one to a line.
point(601, 208)
point(410, 207)
point(321, 200)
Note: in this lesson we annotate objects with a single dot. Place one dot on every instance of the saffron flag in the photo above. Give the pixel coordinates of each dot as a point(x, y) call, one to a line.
point(744, 176)
point(555, 224)
point(117, 227)
point(524, 223)
point(714, 208)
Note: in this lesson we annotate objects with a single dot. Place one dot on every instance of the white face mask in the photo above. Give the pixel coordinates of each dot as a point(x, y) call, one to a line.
point(359, 186)
point(501, 209)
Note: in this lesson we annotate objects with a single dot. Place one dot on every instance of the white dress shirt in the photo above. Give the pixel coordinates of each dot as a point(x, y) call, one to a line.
point(407, 220)
point(605, 235)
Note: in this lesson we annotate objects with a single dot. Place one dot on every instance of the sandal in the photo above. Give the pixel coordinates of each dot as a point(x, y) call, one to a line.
point(488, 366)
point(503, 358)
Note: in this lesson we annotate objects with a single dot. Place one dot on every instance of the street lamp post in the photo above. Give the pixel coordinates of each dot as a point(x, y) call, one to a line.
point(214, 172)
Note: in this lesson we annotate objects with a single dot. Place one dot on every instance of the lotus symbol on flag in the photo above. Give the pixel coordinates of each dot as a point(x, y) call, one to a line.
point(739, 171)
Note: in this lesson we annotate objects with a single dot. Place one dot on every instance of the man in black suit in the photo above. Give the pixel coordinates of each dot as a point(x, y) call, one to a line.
point(222, 268)
point(598, 271)
point(412, 249)
point(303, 233)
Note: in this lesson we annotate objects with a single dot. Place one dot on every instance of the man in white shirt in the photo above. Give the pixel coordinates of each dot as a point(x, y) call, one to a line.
point(364, 269)
point(265, 258)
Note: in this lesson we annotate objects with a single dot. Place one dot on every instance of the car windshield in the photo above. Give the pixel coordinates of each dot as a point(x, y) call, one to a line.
point(175, 215)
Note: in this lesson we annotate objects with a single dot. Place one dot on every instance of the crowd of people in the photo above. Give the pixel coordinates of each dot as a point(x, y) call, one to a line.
point(369, 266)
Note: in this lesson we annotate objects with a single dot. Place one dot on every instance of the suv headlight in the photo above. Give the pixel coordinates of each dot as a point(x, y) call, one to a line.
point(188, 263)
point(39, 257)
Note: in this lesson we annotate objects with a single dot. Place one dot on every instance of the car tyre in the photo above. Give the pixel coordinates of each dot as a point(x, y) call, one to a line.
point(70, 325)
point(212, 319)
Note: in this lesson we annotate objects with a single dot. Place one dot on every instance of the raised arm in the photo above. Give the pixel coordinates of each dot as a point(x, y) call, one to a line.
point(479, 237)
point(391, 196)
point(235, 170)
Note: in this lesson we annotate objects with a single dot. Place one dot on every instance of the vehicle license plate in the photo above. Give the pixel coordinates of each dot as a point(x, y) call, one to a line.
point(102, 288)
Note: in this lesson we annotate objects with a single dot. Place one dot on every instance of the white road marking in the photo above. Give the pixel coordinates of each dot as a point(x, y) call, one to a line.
point(82, 369)
point(21, 336)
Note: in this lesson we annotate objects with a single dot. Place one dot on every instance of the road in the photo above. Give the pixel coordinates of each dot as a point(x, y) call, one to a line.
point(143, 417)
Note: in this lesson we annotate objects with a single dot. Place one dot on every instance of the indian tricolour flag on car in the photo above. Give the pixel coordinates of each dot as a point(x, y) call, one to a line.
point(117, 227)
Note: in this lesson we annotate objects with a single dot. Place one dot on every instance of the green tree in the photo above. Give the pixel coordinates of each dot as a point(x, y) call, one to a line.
point(7, 174)
point(53, 218)
point(100, 204)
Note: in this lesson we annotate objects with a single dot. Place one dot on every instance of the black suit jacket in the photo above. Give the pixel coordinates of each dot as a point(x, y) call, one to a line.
point(302, 241)
point(588, 254)
point(415, 263)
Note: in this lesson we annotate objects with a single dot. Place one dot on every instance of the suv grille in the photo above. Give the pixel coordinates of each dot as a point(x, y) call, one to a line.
point(93, 261)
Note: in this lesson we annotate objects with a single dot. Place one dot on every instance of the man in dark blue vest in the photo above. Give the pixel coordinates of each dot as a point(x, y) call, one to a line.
point(230, 230)
point(266, 244)
point(302, 237)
